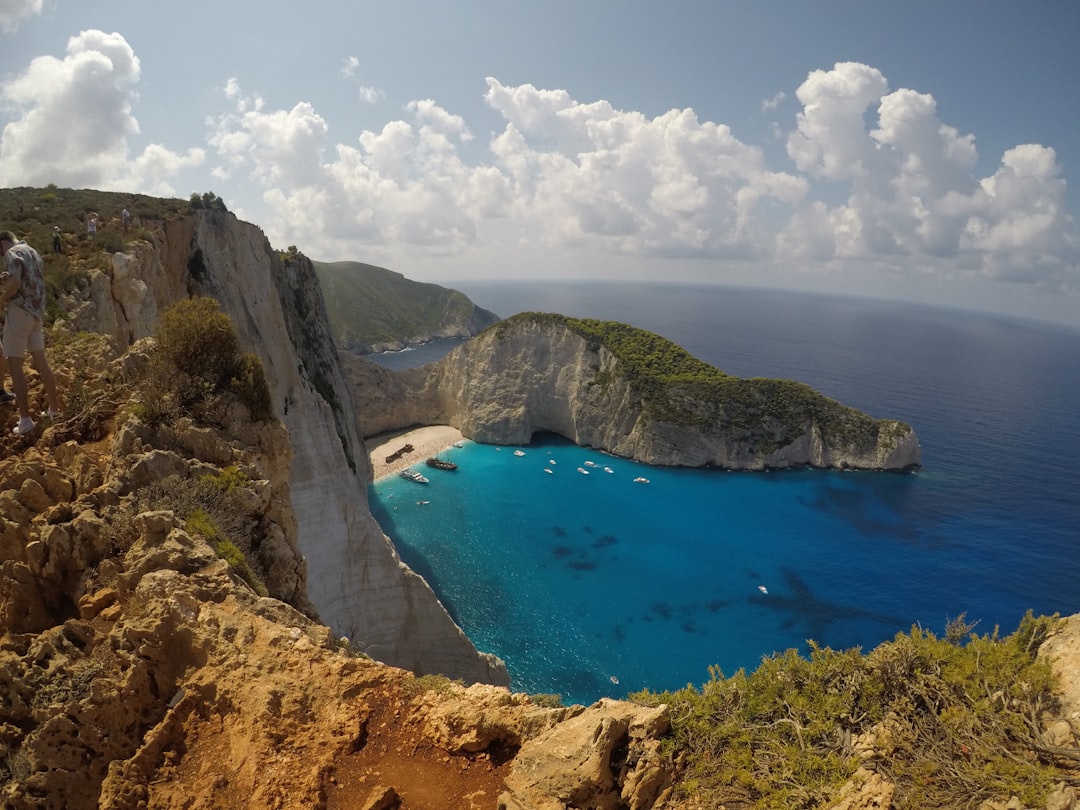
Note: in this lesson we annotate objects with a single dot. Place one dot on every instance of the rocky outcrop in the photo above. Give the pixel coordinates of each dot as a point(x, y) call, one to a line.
point(354, 577)
point(138, 669)
point(531, 375)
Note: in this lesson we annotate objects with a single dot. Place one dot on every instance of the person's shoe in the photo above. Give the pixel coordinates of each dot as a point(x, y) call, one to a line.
point(6, 396)
point(26, 424)
point(50, 414)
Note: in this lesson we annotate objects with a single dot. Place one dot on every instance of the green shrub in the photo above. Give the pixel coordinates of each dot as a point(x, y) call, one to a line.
point(197, 358)
point(250, 386)
point(200, 523)
point(211, 507)
point(960, 721)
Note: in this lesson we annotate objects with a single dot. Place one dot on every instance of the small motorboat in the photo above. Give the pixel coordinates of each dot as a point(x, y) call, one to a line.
point(763, 589)
point(519, 452)
point(582, 470)
point(641, 480)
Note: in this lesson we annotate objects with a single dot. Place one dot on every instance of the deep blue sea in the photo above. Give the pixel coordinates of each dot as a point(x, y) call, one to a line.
point(578, 581)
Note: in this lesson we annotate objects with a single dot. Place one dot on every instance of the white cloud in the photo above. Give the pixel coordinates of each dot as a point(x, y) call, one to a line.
point(370, 95)
point(770, 104)
point(914, 200)
point(11, 11)
point(349, 67)
point(877, 181)
point(76, 119)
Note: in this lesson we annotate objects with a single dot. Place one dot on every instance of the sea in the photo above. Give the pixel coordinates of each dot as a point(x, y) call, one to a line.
point(591, 584)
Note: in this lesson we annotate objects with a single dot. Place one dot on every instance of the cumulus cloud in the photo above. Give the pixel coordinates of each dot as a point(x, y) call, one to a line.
point(11, 11)
point(403, 184)
point(876, 179)
point(914, 198)
point(75, 120)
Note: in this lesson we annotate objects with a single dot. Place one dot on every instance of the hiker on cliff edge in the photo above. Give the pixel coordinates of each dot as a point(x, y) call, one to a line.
point(23, 294)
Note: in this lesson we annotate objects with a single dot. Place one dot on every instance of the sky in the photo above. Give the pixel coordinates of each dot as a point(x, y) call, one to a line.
point(916, 150)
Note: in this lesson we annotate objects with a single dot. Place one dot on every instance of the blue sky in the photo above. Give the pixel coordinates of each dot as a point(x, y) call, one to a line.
point(921, 151)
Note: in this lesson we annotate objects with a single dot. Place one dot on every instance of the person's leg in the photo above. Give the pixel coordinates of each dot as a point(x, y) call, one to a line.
point(18, 385)
point(4, 393)
point(41, 363)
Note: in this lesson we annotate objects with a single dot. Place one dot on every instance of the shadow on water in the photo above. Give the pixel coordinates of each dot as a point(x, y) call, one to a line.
point(801, 606)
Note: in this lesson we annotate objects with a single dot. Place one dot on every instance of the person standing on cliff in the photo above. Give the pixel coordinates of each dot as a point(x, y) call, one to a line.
point(57, 242)
point(23, 294)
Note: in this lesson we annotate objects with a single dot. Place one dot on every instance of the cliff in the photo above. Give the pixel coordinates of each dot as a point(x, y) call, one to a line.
point(372, 309)
point(354, 577)
point(595, 383)
point(142, 666)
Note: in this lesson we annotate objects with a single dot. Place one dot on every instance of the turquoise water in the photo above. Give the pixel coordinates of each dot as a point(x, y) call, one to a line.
point(575, 579)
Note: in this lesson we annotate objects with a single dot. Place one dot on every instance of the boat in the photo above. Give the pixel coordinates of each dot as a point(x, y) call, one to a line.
point(440, 464)
point(459, 444)
point(582, 470)
point(548, 470)
point(422, 503)
point(413, 475)
point(763, 589)
point(590, 463)
point(614, 680)
point(641, 480)
point(608, 470)
point(552, 461)
point(519, 452)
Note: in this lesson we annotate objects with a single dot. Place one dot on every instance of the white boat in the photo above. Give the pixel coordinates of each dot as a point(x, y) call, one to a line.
point(763, 589)
point(590, 463)
point(641, 480)
point(548, 470)
point(582, 470)
point(413, 475)
point(519, 452)
point(551, 461)
point(459, 444)
point(608, 470)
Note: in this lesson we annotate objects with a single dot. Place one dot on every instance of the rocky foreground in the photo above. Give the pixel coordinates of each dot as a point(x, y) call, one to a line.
point(138, 668)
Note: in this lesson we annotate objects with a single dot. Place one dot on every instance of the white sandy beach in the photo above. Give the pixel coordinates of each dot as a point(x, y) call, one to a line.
point(426, 442)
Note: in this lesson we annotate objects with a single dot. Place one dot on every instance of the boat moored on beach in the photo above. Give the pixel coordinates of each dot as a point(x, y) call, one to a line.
point(440, 464)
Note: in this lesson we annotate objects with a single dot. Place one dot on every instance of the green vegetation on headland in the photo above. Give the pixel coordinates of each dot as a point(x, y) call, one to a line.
point(676, 387)
point(369, 306)
point(949, 721)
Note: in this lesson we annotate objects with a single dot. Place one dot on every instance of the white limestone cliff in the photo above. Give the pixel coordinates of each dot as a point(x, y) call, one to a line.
point(355, 578)
point(508, 384)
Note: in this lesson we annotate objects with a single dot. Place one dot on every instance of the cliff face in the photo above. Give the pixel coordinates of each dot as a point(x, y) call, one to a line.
point(509, 383)
point(355, 579)
point(138, 669)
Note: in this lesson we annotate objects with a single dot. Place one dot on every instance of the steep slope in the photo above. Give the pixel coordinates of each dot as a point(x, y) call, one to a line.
point(630, 392)
point(141, 668)
point(372, 309)
point(355, 579)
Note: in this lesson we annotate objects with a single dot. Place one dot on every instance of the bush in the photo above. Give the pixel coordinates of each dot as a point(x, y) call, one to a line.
point(959, 721)
point(198, 358)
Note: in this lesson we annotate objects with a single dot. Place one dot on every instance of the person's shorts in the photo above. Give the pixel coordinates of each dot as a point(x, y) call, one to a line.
point(22, 332)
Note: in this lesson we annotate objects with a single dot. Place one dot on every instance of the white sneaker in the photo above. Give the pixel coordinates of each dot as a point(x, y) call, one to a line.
point(50, 414)
point(26, 424)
